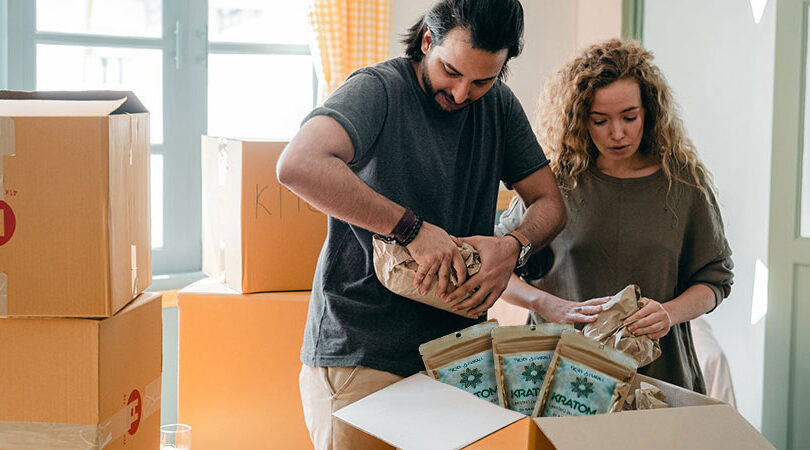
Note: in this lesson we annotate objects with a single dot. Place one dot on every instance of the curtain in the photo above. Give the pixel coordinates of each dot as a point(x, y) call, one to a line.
point(348, 35)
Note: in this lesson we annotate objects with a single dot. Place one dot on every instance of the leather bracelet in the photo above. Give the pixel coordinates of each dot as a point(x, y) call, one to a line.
point(407, 228)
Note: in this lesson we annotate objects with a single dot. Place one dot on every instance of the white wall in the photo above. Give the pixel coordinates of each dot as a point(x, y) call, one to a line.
point(720, 65)
point(551, 36)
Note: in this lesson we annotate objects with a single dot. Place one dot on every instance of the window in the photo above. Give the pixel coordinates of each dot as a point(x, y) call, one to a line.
point(238, 69)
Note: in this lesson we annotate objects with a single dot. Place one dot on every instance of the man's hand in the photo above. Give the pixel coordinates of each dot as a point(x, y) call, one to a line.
point(555, 309)
point(652, 319)
point(436, 252)
point(498, 259)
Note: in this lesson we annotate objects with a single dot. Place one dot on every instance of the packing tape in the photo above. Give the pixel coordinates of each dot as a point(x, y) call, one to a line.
point(6, 145)
point(222, 160)
point(69, 436)
point(133, 251)
point(3, 294)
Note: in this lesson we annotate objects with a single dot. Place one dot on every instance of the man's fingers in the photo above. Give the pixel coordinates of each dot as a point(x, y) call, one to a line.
point(483, 307)
point(463, 289)
point(477, 296)
point(420, 274)
point(444, 277)
point(461, 267)
point(428, 278)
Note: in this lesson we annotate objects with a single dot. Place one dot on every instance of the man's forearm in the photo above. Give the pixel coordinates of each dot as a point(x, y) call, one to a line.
point(544, 219)
point(329, 185)
point(314, 166)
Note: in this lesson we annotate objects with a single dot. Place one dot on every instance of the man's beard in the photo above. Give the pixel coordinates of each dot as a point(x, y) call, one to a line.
point(431, 93)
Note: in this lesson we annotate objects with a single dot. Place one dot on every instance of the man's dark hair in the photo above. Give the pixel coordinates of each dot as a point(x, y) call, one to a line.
point(494, 25)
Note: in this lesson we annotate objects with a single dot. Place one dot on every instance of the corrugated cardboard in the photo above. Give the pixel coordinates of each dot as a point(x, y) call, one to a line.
point(75, 179)
point(257, 235)
point(421, 413)
point(239, 365)
point(81, 383)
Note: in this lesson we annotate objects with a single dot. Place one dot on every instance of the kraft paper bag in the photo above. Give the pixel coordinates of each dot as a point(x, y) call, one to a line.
point(608, 329)
point(396, 270)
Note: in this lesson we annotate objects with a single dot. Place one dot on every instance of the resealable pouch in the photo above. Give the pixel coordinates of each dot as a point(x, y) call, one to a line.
point(585, 377)
point(464, 359)
point(522, 354)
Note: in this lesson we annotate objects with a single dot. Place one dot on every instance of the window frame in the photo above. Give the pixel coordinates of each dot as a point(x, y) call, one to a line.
point(185, 46)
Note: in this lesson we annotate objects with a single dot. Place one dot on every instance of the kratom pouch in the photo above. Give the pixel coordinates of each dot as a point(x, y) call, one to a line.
point(522, 354)
point(396, 270)
point(464, 359)
point(608, 329)
point(646, 396)
point(585, 378)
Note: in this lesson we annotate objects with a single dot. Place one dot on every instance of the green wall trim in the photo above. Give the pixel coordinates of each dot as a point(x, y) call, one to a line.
point(633, 20)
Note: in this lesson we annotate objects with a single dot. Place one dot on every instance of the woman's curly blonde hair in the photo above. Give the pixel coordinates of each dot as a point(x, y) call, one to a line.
point(565, 104)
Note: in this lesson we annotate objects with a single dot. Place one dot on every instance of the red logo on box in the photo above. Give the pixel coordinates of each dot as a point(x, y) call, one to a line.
point(134, 411)
point(7, 222)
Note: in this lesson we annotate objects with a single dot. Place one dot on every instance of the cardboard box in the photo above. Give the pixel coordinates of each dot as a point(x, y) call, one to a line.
point(74, 203)
point(82, 383)
point(239, 366)
point(422, 413)
point(257, 235)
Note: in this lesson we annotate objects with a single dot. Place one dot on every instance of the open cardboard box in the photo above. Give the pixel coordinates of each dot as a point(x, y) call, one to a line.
point(422, 413)
point(74, 203)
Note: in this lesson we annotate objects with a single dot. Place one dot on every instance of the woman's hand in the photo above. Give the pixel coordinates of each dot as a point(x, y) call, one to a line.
point(652, 319)
point(555, 309)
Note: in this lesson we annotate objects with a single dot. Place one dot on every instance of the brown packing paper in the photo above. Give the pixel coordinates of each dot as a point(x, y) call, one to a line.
point(608, 328)
point(646, 396)
point(396, 270)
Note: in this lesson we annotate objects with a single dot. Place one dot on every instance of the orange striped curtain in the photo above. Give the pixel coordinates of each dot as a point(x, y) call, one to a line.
point(349, 34)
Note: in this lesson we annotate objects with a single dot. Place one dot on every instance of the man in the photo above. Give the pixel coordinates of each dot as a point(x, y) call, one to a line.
point(413, 148)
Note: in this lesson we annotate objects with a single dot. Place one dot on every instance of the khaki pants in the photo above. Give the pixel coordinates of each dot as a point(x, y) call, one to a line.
point(325, 390)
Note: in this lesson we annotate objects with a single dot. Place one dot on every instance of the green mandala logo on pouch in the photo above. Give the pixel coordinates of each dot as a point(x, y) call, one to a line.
point(533, 373)
point(471, 378)
point(582, 387)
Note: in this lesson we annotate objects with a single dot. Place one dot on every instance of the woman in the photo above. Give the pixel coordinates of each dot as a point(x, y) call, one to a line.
point(641, 207)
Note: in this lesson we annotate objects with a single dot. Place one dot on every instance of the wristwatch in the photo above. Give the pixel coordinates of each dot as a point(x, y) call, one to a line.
point(525, 247)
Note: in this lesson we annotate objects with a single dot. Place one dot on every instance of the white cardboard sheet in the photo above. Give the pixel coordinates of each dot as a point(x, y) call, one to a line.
point(429, 415)
point(59, 108)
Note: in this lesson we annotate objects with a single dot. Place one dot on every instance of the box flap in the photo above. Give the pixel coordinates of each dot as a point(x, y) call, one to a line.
point(427, 415)
point(139, 301)
point(69, 103)
point(209, 285)
point(675, 395)
point(692, 427)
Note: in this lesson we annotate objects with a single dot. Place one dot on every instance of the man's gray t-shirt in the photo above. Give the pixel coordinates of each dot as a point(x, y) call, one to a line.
point(446, 168)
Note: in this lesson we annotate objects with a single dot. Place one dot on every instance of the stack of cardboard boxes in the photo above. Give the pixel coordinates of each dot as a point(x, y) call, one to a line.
point(80, 346)
point(241, 329)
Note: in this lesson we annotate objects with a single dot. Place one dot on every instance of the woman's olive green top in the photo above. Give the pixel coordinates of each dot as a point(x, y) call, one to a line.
point(639, 231)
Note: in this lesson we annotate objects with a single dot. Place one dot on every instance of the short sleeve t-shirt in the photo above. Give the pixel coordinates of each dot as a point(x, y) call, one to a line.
point(446, 167)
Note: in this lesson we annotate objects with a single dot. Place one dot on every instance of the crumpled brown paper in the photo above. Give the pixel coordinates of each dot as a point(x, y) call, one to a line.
point(647, 396)
point(396, 270)
point(608, 329)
